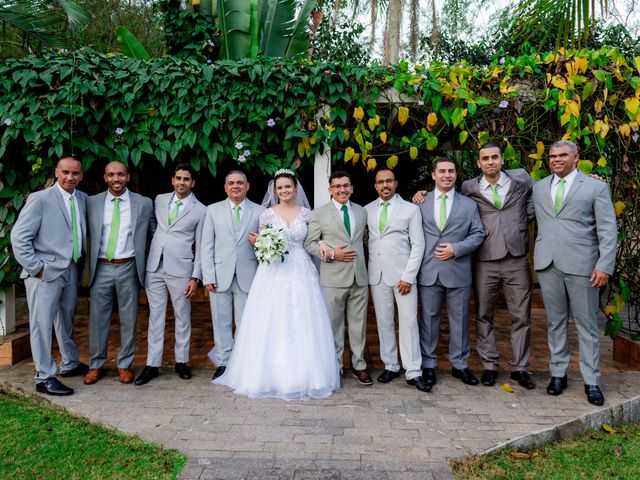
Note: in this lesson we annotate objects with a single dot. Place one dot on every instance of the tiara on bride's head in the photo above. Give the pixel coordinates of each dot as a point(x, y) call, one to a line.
point(284, 171)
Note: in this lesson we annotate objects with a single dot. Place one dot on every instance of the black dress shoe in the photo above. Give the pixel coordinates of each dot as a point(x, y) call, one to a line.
point(420, 384)
point(429, 376)
point(465, 375)
point(594, 394)
point(387, 375)
point(81, 369)
point(183, 371)
point(524, 380)
point(51, 386)
point(556, 385)
point(219, 371)
point(148, 373)
point(488, 378)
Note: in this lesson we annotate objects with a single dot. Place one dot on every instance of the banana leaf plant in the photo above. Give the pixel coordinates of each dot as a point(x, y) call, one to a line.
point(276, 28)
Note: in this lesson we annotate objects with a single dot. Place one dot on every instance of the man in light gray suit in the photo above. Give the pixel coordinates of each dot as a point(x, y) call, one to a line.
point(229, 262)
point(335, 236)
point(48, 240)
point(396, 246)
point(119, 221)
point(173, 269)
point(575, 252)
point(502, 261)
point(453, 230)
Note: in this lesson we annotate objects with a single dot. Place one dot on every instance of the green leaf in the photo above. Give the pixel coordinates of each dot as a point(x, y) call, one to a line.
point(520, 123)
point(129, 45)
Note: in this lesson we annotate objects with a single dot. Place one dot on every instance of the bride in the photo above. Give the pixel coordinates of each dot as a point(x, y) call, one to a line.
point(284, 346)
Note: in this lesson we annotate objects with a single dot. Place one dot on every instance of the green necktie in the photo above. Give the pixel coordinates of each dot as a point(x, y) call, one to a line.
point(443, 212)
point(236, 215)
point(345, 218)
point(557, 204)
point(496, 198)
point(174, 211)
point(113, 232)
point(383, 216)
point(74, 228)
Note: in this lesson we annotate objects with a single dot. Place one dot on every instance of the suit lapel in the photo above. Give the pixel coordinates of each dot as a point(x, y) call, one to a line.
point(244, 221)
point(455, 205)
point(339, 220)
point(163, 215)
point(429, 205)
point(134, 213)
point(577, 183)
point(392, 214)
point(60, 201)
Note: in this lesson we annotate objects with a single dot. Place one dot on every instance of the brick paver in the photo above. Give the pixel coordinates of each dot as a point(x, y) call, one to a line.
point(387, 431)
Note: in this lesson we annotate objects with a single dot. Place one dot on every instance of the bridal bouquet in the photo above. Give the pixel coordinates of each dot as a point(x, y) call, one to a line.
point(271, 245)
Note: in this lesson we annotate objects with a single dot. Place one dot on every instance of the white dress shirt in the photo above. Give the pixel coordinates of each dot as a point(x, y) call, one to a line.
point(185, 201)
point(393, 201)
point(241, 212)
point(504, 183)
point(567, 186)
point(124, 247)
point(352, 218)
point(437, 200)
point(66, 196)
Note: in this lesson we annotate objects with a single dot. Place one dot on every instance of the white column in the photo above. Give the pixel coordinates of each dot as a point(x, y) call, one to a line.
point(8, 311)
point(321, 169)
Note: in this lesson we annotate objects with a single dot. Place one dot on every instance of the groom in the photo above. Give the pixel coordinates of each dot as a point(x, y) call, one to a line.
point(335, 235)
point(229, 262)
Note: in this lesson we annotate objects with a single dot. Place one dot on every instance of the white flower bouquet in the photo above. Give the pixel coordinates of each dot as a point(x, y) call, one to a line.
point(271, 245)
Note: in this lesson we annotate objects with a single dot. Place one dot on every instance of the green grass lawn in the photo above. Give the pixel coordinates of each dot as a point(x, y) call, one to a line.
point(42, 441)
point(596, 454)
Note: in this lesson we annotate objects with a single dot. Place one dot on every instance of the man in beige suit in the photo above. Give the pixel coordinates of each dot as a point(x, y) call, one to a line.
point(396, 246)
point(335, 235)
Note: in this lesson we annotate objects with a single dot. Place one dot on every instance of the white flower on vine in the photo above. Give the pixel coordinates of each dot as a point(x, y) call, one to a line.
point(503, 104)
point(246, 153)
point(242, 159)
point(7, 121)
point(239, 145)
point(119, 131)
point(271, 122)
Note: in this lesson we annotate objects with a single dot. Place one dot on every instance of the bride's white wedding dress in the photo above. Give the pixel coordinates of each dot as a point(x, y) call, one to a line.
point(284, 345)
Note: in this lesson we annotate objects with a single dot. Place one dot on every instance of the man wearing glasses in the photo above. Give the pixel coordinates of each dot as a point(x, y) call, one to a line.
point(396, 246)
point(335, 236)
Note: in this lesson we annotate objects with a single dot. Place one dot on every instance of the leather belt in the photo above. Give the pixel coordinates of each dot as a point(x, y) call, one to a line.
point(117, 260)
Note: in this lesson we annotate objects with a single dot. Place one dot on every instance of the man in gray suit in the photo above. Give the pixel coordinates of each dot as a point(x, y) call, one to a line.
point(575, 252)
point(504, 202)
point(173, 268)
point(335, 236)
point(119, 221)
point(48, 240)
point(229, 262)
point(453, 230)
point(396, 246)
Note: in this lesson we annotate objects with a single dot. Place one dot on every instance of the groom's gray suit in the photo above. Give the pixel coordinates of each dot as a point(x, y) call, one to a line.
point(448, 280)
point(173, 260)
point(570, 245)
point(345, 284)
point(229, 262)
point(42, 238)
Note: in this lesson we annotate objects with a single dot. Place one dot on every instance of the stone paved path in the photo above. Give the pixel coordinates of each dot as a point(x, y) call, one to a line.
point(382, 432)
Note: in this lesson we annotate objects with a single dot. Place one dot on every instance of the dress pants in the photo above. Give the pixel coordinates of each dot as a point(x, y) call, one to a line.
point(113, 281)
point(563, 293)
point(226, 307)
point(431, 299)
point(408, 332)
point(159, 285)
point(52, 306)
point(352, 303)
point(512, 275)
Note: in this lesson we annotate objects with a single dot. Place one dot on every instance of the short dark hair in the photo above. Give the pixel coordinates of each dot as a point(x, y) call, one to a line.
point(491, 145)
point(438, 160)
point(385, 169)
point(339, 174)
point(184, 166)
point(236, 171)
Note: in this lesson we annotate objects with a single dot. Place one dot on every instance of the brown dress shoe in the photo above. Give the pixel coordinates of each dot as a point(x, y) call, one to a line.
point(363, 377)
point(125, 375)
point(92, 376)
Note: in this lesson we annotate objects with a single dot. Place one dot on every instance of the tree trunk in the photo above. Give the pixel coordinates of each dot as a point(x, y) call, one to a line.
point(435, 32)
point(374, 18)
point(414, 30)
point(392, 34)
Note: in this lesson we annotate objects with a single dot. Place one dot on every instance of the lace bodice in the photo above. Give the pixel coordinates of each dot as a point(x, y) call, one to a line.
point(296, 232)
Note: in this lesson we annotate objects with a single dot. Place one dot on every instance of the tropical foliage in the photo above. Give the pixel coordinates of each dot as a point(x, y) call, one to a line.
point(268, 113)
